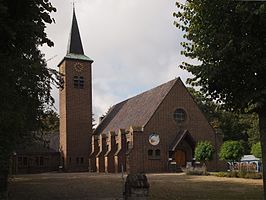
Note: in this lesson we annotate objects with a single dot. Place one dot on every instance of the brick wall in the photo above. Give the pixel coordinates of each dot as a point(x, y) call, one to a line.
point(100, 159)
point(109, 155)
point(120, 155)
point(94, 151)
point(75, 117)
point(164, 124)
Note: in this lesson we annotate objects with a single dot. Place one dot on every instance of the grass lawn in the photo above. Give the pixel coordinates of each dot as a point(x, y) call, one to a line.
point(109, 186)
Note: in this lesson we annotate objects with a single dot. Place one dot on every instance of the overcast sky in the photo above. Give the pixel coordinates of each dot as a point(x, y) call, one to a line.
point(133, 43)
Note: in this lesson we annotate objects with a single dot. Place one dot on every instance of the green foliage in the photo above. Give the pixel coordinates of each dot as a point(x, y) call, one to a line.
point(25, 82)
point(256, 150)
point(232, 126)
point(227, 38)
point(204, 151)
point(231, 151)
point(240, 174)
point(49, 122)
point(252, 123)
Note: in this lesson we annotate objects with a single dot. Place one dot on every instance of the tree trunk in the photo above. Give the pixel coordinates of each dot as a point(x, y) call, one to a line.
point(262, 126)
point(3, 185)
point(4, 166)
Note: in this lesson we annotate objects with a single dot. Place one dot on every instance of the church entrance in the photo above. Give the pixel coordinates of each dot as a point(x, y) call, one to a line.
point(181, 151)
point(180, 158)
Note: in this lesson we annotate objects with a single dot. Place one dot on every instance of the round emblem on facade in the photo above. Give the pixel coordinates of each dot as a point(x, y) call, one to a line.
point(78, 67)
point(154, 139)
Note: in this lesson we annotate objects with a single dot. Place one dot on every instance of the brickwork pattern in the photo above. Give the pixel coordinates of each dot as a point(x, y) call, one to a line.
point(75, 116)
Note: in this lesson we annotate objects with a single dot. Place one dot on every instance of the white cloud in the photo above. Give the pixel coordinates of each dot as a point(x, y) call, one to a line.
point(134, 45)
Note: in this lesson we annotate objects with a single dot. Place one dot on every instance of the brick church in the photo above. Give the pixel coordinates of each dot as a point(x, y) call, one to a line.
point(155, 131)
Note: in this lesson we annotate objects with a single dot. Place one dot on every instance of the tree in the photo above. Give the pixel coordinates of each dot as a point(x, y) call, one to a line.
point(228, 41)
point(204, 151)
point(256, 150)
point(252, 122)
point(232, 126)
point(231, 151)
point(106, 113)
point(25, 82)
point(49, 122)
point(93, 122)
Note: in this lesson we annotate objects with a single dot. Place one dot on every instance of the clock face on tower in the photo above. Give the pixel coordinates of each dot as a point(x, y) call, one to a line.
point(78, 67)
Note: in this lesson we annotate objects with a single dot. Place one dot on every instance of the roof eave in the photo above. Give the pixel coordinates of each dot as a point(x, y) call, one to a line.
point(72, 56)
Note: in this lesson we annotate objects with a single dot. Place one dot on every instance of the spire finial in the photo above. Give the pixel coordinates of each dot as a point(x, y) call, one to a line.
point(73, 3)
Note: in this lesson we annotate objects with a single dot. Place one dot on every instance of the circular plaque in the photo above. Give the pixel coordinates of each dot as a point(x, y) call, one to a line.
point(154, 139)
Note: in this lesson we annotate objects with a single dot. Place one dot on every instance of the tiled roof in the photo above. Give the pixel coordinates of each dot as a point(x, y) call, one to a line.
point(135, 111)
point(49, 143)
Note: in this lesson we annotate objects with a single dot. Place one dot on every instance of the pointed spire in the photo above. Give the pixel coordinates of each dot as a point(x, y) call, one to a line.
point(74, 43)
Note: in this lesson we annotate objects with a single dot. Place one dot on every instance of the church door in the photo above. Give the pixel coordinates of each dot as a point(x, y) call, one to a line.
point(180, 158)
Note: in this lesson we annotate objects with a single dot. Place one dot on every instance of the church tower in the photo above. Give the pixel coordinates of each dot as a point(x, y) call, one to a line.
point(75, 104)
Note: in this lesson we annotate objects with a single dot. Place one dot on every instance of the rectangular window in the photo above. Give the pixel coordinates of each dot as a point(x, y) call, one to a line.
point(81, 160)
point(81, 82)
point(78, 82)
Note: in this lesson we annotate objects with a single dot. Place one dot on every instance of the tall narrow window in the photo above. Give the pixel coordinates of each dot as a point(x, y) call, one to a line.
point(157, 153)
point(150, 152)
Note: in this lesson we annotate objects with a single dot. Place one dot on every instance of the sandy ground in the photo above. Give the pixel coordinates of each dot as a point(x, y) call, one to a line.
point(94, 186)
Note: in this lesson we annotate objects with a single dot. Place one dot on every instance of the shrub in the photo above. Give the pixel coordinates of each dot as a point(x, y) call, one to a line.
point(253, 175)
point(204, 151)
point(231, 151)
point(199, 171)
point(240, 174)
point(256, 150)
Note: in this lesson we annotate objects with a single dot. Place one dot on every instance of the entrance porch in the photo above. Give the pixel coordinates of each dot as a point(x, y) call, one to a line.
point(181, 151)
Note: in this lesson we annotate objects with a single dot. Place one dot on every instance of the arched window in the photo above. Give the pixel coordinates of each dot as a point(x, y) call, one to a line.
point(180, 115)
point(150, 152)
point(157, 152)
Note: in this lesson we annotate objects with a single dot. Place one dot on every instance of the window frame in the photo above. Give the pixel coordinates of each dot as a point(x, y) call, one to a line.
point(180, 115)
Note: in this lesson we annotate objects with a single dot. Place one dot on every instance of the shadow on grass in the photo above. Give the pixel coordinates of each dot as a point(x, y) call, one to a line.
point(163, 186)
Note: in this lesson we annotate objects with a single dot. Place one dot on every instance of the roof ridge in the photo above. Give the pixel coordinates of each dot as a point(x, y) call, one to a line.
point(175, 79)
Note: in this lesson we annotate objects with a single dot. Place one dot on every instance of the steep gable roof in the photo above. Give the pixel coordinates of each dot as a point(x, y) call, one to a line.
point(135, 111)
